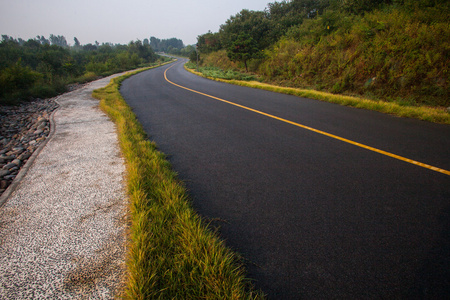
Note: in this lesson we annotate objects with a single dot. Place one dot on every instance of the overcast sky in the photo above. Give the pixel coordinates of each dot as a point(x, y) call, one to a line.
point(118, 21)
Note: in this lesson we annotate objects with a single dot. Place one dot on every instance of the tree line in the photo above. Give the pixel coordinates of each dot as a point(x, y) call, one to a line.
point(41, 67)
point(172, 46)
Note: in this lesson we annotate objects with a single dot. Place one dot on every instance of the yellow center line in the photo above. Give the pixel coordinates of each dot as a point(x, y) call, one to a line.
point(315, 130)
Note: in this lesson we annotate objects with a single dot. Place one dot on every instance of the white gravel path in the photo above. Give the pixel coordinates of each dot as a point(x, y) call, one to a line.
point(63, 230)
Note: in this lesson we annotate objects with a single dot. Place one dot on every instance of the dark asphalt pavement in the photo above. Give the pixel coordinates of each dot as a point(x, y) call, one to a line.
point(314, 217)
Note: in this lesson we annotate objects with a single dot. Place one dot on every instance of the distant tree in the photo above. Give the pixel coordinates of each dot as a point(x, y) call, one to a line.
point(89, 47)
point(41, 39)
point(154, 43)
point(77, 43)
point(166, 45)
point(186, 51)
point(58, 40)
point(6, 38)
point(146, 42)
point(32, 45)
point(243, 49)
point(144, 52)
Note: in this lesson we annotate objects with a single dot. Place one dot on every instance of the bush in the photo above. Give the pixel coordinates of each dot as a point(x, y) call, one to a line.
point(17, 77)
point(43, 91)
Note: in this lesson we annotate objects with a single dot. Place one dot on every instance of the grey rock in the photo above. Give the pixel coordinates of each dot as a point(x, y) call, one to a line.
point(22, 128)
point(25, 155)
point(7, 158)
point(9, 166)
point(18, 150)
point(4, 173)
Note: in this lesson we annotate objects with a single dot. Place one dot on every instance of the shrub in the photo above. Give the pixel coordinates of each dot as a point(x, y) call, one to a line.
point(17, 77)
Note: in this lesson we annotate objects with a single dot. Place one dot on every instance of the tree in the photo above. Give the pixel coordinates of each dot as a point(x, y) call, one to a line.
point(58, 40)
point(168, 45)
point(255, 23)
point(193, 56)
point(243, 49)
point(42, 40)
point(89, 47)
point(77, 43)
point(154, 43)
point(143, 51)
point(360, 6)
point(209, 42)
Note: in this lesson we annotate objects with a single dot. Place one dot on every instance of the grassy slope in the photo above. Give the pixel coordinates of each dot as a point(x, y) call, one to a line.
point(172, 252)
point(431, 114)
point(393, 54)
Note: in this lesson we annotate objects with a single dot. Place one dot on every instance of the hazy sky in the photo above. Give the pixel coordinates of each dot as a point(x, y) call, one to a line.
point(118, 21)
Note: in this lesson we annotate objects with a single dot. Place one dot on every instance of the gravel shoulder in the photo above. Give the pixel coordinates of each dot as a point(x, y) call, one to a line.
point(63, 228)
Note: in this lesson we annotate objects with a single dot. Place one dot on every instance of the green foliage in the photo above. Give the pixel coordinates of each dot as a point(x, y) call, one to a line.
point(185, 52)
point(41, 68)
point(209, 42)
point(243, 48)
point(386, 53)
point(166, 45)
point(254, 24)
point(16, 81)
point(193, 56)
point(396, 50)
point(360, 6)
point(215, 72)
point(219, 59)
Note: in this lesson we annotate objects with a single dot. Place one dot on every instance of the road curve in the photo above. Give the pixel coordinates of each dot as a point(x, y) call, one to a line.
point(314, 217)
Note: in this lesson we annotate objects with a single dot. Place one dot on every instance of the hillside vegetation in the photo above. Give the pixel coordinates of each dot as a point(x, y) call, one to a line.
point(393, 50)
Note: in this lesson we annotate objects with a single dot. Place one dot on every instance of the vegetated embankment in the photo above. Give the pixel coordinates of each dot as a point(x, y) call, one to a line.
point(396, 56)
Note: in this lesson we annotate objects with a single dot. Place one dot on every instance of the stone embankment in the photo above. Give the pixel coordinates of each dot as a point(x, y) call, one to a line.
point(22, 130)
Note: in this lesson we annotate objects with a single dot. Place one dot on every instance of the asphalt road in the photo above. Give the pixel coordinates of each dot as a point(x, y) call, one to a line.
point(314, 217)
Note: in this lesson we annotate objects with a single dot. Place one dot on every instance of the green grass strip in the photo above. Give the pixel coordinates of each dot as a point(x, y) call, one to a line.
point(431, 114)
point(172, 254)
